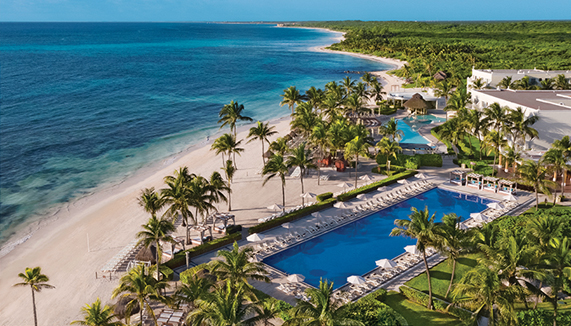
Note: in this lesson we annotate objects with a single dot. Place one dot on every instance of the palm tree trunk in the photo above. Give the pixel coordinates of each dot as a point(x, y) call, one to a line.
point(34, 305)
point(554, 194)
point(451, 278)
point(536, 200)
point(480, 147)
point(263, 159)
point(229, 197)
point(537, 297)
point(158, 259)
point(555, 309)
point(187, 233)
point(283, 195)
point(428, 278)
point(356, 169)
point(141, 305)
point(301, 178)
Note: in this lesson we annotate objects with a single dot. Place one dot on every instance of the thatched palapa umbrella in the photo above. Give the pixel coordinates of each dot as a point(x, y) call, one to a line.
point(416, 102)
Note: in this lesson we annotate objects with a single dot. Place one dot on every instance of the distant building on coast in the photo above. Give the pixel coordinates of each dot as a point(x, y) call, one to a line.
point(491, 77)
point(552, 107)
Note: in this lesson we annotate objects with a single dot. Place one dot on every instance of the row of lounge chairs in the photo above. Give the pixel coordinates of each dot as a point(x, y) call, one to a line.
point(493, 214)
point(379, 276)
point(122, 257)
point(295, 289)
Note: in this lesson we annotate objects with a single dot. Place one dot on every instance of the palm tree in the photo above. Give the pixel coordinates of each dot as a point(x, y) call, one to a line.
point(355, 148)
point(236, 268)
point(388, 148)
point(155, 232)
point(304, 119)
point(369, 79)
point(419, 226)
point(361, 90)
point(495, 140)
point(227, 144)
point(451, 240)
point(443, 89)
point(202, 196)
point(337, 132)
point(558, 164)
point(321, 309)
point(217, 187)
point(276, 166)
point(262, 131)
point(523, 84)
point(291, 97)
point(506, 82)
point(477, 127)
point(353, 103)
point(496, 117)
point(454, 131)
point(521, 126)
point(561, 83)
point(320, 139)
point(95, 316)
point(478, 84)
point(331, 107)
point(512, 156)
point(176, 195)
point(314, 97)
point(151, 201)
point(348, 85)
point(459, 100)
point(34, 278)
point(547, 84)
point(229, 171)
point(193, 289)
point(390, 129)
point(376, 93)
point(483, 287)
point(535, 173)
point(142, 289)
point(226, 306)
point(268, 309)
point(279, 146)
point(230, 114)
point(558, 266)
point(565, 145)
point(302, 158)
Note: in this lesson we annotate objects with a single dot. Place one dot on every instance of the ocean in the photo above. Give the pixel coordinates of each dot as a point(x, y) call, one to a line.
point(85, 105)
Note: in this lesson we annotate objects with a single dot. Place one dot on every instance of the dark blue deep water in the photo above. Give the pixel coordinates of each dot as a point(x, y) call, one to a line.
point(86, 104)
point(354, 248)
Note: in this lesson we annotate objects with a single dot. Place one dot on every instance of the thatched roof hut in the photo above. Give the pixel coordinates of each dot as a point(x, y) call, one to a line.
point(441, 75)
point(120, 307)
point(417, 103)
point(147, 254)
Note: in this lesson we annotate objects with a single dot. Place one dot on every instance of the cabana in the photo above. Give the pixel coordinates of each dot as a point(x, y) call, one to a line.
point(224, 217)
point(474, 180)
point(507, 187)
point(417, 104)
point(458, 177)
point(201, 229)
point(490, 184)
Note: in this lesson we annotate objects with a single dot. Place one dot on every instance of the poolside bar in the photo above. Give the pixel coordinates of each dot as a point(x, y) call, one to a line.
point(490, 184)
point(458, 177)
point(474, 180)
point(507, 187)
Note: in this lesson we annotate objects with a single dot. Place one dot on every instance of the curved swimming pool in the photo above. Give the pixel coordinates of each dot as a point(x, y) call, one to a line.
point(353, 248)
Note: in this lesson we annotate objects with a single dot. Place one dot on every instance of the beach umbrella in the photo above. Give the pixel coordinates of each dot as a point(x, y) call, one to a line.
point(403, 182)
point(286, 225)
point(366, 177)
point(495, 205)
point(344, 185)
point(420, 176)
point(510, 197)
point(296, 278)
point(386, 263)
point(462, 226)
point(479, 217)
point(356, 279)
point(363, 196)
point(281, 280)
point(341, 205)
point(275, 207)
point(308, 195)
point(256, 237)
point(317, 215)
point(382, 189)
point(412, 249)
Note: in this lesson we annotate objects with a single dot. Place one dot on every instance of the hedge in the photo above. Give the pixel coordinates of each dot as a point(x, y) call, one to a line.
point(440, 305)
point(233, 229)
point(430, 160)
point(187, 274)
point(179, 259)
point(167, 272)
point(324, 196)
point(368, 188)
point(540, 317)
point(292, 216)
point(371, 311)
point(419, 159)
point(382, 169)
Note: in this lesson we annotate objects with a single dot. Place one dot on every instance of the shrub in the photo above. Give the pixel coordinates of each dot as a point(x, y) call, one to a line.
point(430, 160)
point(368, 188)
point(324, 196)
point(382, 169)
point(179, 259)
point(167, 272)
point(371, 311)
point(292, 216)
point(410, 165)
point(187, 274)
point(233, 229)
point(540, 317)
point(387, 110)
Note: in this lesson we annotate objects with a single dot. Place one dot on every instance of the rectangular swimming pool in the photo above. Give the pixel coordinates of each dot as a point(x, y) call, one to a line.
point(354, 248)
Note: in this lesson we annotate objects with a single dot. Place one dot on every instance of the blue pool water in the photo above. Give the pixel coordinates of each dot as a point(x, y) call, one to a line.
point(410, 136)
point(354, 248)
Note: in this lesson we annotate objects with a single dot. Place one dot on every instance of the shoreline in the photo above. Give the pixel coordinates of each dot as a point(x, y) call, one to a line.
point(77, 238)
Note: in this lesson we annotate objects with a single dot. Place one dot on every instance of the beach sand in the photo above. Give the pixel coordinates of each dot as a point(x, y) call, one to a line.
point(110, 219)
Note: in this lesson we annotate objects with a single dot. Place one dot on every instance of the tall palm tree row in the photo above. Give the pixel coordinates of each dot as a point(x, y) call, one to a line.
point(230, 114)
point(276, 167)
point(156, 231)
point(301, 157)
point(227, 144)
point(355, 148)
point(262, 131)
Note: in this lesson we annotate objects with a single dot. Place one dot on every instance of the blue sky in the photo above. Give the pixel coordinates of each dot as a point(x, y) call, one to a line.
point(255, 10)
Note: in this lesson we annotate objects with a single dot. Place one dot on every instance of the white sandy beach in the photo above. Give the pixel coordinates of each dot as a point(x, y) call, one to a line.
point(111, 218)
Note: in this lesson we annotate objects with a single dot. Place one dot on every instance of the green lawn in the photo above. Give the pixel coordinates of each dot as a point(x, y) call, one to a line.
point(564, 305)
point(417, 315)
point(548, 207)
point(440, 276)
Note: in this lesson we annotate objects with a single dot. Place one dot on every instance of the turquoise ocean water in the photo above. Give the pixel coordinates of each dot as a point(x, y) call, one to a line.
point(87, 104)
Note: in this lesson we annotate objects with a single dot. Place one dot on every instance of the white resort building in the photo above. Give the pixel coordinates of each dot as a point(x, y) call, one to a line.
point(491, 77)
point(552, 107)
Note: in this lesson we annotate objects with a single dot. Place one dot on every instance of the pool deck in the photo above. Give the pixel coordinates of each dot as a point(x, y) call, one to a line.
point(437, 176)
